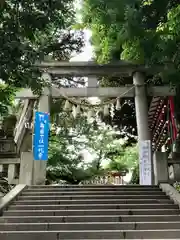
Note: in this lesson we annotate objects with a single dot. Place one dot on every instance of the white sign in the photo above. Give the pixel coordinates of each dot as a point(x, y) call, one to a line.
point(145, 164)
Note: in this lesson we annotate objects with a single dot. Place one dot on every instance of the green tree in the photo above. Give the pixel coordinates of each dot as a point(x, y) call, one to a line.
point(123, 158)
point(135, 175)
point(31, 31)
point(140, 31)
point(6, 99)
point(67, 141)
point(135, 30)
point(117, 166)
point(129, 155)
point(70, 140)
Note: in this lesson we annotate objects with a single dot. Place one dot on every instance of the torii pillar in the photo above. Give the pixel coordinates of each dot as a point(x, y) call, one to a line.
point(39, 166)
point(144, 138)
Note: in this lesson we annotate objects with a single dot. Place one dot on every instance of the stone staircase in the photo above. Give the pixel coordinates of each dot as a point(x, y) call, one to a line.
point(90, 212)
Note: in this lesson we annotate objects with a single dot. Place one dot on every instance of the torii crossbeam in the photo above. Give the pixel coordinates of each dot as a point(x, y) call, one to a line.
point(110, 92)
point(120, 68)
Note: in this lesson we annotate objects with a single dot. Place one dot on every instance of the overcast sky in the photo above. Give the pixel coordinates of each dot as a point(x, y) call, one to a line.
point(86, 55)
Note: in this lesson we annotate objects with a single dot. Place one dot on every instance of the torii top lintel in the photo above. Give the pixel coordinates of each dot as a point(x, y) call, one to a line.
point(120, 68)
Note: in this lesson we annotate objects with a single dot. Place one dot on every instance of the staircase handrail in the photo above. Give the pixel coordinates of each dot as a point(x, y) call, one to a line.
point(20, 129)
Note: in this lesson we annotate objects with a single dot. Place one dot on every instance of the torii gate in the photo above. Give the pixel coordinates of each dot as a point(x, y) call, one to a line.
point(138, 90)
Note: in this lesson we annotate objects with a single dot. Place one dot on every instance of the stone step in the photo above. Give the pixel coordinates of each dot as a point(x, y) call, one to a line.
point(94, 186)
point(121, 201)
point(92, 190)
point(81, 226)
point(93, 234)
point(117, 199)
point(105, 198)
point(93, 206)
point(90, 218)
point(91, 212)
point(90, 195)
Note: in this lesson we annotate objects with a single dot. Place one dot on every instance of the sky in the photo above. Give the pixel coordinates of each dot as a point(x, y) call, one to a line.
point(87, 51)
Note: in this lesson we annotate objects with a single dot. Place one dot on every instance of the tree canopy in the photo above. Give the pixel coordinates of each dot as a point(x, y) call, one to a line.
point(31, 31)
point(140, 31)
point(143, 31)
point(72, 140)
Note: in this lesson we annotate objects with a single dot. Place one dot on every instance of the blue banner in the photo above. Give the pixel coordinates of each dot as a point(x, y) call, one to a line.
point(41, 135)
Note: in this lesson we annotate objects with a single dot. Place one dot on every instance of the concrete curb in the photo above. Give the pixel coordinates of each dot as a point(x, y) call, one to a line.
point(9, 197)
point(171, 192)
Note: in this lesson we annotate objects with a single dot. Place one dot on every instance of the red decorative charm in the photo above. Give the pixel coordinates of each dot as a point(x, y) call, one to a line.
point(172, 118)
point(163, 124)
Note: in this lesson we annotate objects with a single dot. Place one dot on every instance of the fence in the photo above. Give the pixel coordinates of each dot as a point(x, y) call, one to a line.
point(101, 180)
point(10, 169)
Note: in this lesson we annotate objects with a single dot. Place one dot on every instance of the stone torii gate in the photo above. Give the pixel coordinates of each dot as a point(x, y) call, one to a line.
point(138, 90)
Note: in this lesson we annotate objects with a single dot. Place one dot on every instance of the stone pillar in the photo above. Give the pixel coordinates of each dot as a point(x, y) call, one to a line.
point(160, 161)
point(92, 81)
point(11, 173)
point(39, 166)
point(26, 168)
point(141, 106)
point(176, 166)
